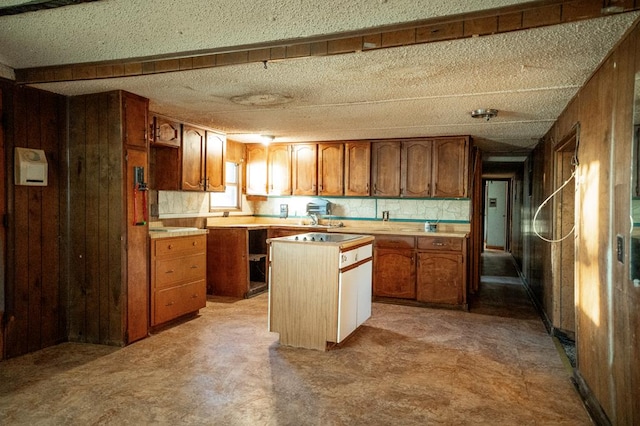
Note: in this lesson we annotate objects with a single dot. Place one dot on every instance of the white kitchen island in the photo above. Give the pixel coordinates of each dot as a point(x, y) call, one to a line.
point(320, 287)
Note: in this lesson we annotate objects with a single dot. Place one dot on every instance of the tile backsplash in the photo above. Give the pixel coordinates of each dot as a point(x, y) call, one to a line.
point(176, 204)
point(446, 210)
point(179, 204)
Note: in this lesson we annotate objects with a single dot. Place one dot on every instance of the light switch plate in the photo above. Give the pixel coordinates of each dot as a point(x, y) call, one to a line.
point(620, 247)
point(284, 211)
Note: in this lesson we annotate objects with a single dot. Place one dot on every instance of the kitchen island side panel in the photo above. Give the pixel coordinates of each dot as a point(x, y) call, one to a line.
point(301, 310)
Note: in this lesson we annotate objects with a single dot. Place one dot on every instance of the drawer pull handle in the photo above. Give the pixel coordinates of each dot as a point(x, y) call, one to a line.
point(194, 266)
point(170, 271)
point(169, 304)
point(194, 296)
point(438, 244)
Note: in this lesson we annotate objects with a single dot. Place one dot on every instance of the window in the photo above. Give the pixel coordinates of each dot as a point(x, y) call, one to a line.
point(230, 198)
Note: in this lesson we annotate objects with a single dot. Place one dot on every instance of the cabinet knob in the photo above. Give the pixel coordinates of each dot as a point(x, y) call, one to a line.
point(170, 246)
point(170, 271)
point(169, 304)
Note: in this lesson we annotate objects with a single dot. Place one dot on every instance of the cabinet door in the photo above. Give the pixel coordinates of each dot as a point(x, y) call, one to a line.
point(256, 170)
point(416, 169)
point(385, 169)
point(136, 119)
point(347, 303)
point(394, 273)
point(214, 162)
point(357, 168)
point(193, 143)
point(279, 169)
point(450, 168)
point(304, 171)
point(227, 262)
point(166, 132)
point(440, 278)
point(330, 169)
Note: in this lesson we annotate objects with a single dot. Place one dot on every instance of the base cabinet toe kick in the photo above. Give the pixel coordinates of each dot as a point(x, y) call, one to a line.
point(320, 292)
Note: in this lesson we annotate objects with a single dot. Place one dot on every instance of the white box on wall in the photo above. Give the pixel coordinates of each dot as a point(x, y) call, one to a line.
point(30, 167)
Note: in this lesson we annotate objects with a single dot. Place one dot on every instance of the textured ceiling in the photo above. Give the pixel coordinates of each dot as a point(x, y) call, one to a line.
point(420, 90)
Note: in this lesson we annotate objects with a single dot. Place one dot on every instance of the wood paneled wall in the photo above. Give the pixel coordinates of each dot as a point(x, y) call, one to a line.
point(35, 298)
point(607, 303)
point(96, 215)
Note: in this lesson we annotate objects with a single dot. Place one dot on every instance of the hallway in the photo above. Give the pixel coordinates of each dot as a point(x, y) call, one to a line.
point(495, 365)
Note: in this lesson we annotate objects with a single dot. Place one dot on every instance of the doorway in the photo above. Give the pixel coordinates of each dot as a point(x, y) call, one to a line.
point(496, 215)
point(563, 253)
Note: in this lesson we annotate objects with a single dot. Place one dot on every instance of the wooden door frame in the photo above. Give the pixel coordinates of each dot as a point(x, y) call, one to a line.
point(3, 234)
point(508, 209)
point(568, 143)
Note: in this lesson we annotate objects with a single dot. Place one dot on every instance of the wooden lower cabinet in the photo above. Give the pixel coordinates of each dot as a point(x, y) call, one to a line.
point(428, 270)
point(394, 274)
point(178, 277)
point(237, 261)
point(439, 278)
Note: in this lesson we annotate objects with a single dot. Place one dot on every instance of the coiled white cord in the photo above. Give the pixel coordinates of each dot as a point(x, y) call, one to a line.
point(535, 216)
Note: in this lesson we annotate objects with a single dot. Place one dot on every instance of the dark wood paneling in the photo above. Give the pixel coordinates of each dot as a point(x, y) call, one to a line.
point(607, 317)
point(33, 288)
point(108, 285)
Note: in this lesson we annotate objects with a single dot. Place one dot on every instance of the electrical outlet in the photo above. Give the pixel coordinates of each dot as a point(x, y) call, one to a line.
point(620, 247)
point(284, 211)
point(385, 215)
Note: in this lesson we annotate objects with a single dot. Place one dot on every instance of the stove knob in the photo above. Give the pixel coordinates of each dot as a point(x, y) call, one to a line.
point(313, 238)
point(304, 238)
point(296, 238)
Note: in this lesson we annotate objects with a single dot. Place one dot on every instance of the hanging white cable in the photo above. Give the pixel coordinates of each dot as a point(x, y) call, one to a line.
point(535, 216)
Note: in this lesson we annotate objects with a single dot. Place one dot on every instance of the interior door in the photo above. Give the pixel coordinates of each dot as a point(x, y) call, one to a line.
point(496, 215)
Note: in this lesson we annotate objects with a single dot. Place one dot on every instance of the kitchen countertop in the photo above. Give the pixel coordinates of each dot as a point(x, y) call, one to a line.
point(373, 229)
point(175, 231)
point(355, 240)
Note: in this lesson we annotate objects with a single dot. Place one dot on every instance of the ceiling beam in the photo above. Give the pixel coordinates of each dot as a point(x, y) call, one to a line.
point(36, 5)
point(502, 20)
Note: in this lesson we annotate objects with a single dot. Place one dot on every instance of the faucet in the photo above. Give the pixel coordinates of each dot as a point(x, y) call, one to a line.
point(314, 218)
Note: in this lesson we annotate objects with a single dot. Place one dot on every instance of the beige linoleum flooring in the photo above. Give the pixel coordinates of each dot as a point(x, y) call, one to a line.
point(495, 365)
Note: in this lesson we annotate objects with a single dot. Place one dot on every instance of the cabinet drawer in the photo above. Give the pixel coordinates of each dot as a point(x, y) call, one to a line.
point(440, 243)
point(180, 245)
point(173, 302)
point(188, 268)
point(395, 241)
point(353, 256)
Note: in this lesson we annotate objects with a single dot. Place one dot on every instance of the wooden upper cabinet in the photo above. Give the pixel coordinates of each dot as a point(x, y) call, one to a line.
point(279, 170)
point(193, 164)
point(385, 168)
point(256, 169)
point(166, 132)
point(416, 169)
point(304, 169)
point(136, 111)
point(214, 162)
point(450, 167)
point(331, 169)
point(357, 168)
